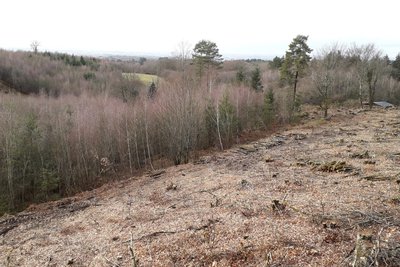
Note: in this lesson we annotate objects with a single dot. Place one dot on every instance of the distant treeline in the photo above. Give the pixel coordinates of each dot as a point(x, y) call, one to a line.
point(56, 74)
point(73, 60)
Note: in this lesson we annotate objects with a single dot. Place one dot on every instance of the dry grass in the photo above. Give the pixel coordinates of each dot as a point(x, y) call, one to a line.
point(218, 210)
point(147, 79)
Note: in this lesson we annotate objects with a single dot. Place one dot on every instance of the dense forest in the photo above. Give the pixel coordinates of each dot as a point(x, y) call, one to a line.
point(70, 123)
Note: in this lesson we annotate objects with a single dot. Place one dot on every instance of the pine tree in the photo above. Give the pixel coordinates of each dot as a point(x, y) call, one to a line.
point(82, 61)
point(276, 63)
point(206, 57)
point(256, 83)
point(228, 122)
point(240, 75)
point(152, 90)
point(269, 108)
point(396, 68)
point(295, 63)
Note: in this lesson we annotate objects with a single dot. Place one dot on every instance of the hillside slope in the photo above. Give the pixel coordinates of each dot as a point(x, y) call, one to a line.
point(297, 198)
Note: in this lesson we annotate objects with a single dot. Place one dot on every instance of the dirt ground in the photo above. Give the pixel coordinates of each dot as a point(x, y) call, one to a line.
point(299, 197)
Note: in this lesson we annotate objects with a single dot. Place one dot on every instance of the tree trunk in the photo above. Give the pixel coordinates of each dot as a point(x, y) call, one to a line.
point(147, 135)
point(372, 90)
point(295, 89)
point(10, 186)
point(218, 129)
point(128, 144)
point(82, 150)
point(209, 82)
point(10, 181)
point(360, 94)
point(370, 99)
point(326, 97)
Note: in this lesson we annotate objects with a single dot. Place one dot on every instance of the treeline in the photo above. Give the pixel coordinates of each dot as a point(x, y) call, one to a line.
point(338, 74)
point(78, 126)
point(361, 73)
point(74, 60)
point(56, 74)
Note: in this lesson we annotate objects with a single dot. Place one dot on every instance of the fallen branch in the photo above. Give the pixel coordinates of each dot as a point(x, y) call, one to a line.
point(78, 207)
point(156, 174)
point(361, 155)
point(154, 234)
point(190, 228)
point(135, 261)
point(364, 219)
point(111, 262)
point(7, 229)
point(377, 177)
point(205, 226)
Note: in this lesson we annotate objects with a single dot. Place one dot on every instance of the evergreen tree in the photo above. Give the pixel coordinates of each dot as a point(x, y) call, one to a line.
point(240, 75)
point(256, 83)
point(269, 108)
point(396, 68)
point(142, 60)
point(152, 90)
point(228, 122)
point(82, 61)
point(206, 56)
point(276, 63)
point(387, 60)
point(295, 63)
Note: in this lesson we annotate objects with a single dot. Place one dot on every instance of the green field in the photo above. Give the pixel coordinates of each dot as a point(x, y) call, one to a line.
point(147, 79)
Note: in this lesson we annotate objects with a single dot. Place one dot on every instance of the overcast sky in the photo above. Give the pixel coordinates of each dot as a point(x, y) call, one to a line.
point(240, 28)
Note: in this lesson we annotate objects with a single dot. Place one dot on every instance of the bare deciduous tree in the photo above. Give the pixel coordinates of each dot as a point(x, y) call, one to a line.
point(35, 46)
point(324, 73)
point(370, 68)
point(183, 54)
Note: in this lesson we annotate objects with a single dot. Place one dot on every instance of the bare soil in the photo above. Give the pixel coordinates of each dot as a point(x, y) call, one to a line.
point(295, 198)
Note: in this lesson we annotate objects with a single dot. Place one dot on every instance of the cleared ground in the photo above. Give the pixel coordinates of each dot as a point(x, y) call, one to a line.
point(296, 198)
